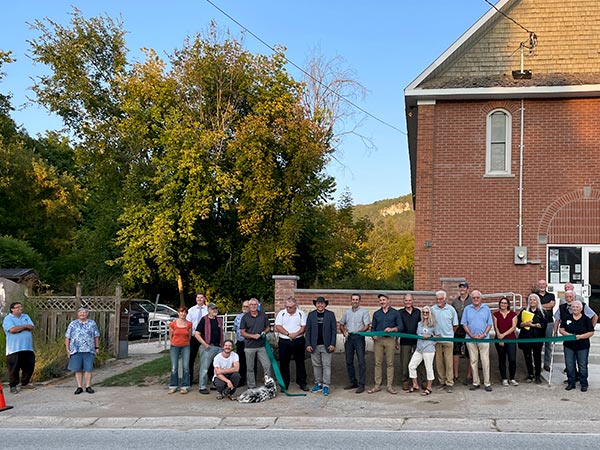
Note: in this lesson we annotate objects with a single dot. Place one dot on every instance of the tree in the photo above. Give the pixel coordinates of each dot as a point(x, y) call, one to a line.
point(236, 169)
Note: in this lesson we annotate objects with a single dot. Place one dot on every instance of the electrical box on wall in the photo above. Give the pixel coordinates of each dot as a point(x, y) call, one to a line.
point(520, 255)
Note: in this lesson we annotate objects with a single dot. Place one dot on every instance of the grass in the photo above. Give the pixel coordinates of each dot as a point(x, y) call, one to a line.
point(156, 371)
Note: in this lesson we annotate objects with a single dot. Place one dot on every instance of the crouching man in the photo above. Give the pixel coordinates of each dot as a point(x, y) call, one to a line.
point(227, 371)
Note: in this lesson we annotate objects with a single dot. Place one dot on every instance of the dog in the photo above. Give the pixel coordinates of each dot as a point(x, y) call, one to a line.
point(260, 394)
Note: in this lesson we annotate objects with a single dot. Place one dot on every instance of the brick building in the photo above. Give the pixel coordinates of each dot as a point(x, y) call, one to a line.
point(504, 143)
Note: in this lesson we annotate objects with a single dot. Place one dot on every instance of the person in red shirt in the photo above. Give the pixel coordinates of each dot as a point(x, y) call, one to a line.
point(505, 324)
point(180, 333)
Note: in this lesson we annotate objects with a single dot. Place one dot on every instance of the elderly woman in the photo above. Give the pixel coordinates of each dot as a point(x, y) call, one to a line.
point(532, 323)
point(425, 351)
point(180, 333)
point(81, 341)
point(577, 351)
point(505, 324)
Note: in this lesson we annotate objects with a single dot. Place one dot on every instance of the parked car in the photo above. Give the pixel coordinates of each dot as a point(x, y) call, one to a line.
point(138, 322)
point(163, 312)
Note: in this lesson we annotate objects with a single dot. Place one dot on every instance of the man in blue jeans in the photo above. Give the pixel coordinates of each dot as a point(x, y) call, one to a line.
point(355, 320)
point(210, 335)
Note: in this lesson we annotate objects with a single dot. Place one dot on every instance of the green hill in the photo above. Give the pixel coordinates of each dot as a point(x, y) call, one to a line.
point(396, 213)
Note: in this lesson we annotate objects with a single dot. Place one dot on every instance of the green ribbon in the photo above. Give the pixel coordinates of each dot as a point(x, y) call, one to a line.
point(276, 370)
point(570, 337)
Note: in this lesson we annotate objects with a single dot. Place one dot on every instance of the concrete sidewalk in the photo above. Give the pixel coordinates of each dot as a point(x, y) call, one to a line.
point(525, 408)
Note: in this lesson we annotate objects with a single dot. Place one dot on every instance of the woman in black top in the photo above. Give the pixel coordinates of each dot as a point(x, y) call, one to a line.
point(533, 328)
point(577, 351)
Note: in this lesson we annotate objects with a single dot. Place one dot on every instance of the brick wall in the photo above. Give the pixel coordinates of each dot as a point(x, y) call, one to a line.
point(472, 221)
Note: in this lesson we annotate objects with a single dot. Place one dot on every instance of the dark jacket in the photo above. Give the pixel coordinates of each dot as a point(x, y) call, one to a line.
point(538, 317)
point(329, 329)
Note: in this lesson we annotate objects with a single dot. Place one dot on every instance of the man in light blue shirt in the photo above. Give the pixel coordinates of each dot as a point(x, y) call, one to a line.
point(447, 323)
point(477, 322)
point(20, 359)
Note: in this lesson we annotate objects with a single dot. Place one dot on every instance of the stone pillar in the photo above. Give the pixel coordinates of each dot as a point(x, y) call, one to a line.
point(285, 286)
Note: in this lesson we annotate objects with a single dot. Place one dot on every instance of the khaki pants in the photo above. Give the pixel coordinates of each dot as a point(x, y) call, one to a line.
point(385, 345)
point(444, 363)
point(477, 351)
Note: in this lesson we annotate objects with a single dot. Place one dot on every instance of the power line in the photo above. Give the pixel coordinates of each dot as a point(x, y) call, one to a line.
point(341, 97)
point(508, 17)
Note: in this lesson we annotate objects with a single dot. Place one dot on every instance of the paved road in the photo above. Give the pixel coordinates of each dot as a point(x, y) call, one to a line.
point(62, 439)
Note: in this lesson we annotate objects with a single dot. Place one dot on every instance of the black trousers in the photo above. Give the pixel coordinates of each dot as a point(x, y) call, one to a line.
point(288, 349)
point(20, 367)
point(194, 347)
point(533, 359)
point(507, 351)
point(235, 380)
point(239, 349)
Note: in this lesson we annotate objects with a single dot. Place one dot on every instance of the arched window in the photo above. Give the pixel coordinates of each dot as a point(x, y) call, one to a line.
point(497, 161)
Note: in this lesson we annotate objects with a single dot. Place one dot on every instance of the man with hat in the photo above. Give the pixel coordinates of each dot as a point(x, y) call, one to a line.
point(209, 334)
point(460, 348)
point(253, 328)
point(321, 334)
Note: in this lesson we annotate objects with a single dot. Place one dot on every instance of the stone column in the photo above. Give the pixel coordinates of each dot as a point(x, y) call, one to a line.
point(285, 286)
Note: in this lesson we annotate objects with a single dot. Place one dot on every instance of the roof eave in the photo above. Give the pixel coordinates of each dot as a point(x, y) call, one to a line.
point(491, 93)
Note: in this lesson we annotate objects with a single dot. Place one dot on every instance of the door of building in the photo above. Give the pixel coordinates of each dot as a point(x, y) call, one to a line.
point(577, 264)
point(591, 276)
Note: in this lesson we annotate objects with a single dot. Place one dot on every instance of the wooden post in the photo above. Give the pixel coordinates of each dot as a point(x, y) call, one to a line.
point(78, 296)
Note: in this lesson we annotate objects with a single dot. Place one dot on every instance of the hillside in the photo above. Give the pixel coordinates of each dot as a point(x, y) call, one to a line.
point(395, 213)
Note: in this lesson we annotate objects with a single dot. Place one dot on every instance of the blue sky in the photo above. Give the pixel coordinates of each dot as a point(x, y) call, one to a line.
point(386, 43)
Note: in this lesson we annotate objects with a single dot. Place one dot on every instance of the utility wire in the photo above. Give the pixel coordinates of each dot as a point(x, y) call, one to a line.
point(350, 102)
point(508, 17)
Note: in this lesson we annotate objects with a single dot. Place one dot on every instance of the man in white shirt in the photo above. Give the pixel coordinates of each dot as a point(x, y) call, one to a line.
point(227, 371)
point(290, 324)
point(195, 313)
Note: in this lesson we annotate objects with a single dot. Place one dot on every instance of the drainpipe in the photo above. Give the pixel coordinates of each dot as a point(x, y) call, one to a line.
point(521, 174)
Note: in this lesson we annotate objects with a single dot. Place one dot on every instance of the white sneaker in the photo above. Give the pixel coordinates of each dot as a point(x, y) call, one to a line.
point(514, 382)
point(504, 382)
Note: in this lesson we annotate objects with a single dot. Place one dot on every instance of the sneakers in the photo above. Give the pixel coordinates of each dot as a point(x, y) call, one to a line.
point(325, 390)
point(505, 383)
point(316, 388)
point(14, 390)
point(171, 391)
point(529, 378)
point(183, 391)
point(513, 382)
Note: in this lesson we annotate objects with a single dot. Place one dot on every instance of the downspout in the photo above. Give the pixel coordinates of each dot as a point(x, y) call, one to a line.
point(521, 174)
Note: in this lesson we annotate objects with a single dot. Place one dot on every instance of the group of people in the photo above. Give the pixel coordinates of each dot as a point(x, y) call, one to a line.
point(226, 365)
point(200, 330)
point(466, 321)
point(81, 345)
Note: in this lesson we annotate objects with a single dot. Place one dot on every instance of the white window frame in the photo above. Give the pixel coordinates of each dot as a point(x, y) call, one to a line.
point(488, 143)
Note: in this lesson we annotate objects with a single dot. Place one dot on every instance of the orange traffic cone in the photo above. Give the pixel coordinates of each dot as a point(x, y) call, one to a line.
point(3, 406)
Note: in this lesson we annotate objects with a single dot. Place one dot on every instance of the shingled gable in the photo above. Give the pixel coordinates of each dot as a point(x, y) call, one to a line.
point(479, 65)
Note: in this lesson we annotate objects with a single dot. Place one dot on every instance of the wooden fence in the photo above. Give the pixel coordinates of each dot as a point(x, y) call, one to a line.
point(56, 312)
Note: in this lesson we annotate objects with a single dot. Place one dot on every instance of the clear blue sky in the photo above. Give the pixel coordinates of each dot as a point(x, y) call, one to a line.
point(387, 44)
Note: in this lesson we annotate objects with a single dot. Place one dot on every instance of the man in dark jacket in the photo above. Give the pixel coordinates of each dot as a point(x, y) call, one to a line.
point(321, 334)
